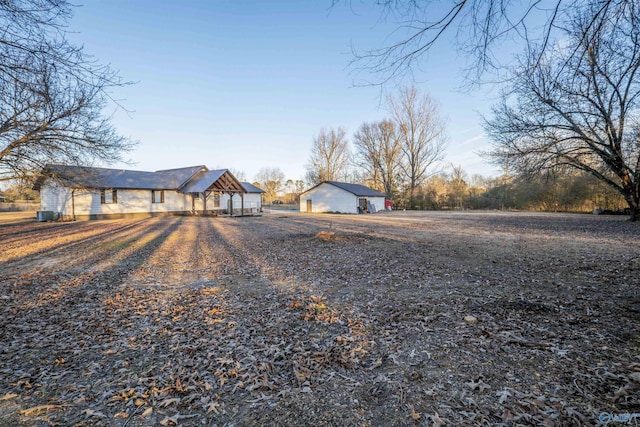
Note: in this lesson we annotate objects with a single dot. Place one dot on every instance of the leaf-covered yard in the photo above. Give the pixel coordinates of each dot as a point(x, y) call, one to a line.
point(390, 319)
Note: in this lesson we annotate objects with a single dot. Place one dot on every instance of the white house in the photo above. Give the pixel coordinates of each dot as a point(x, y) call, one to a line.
point(76, 192)
point(251, 201)
point(342, 197)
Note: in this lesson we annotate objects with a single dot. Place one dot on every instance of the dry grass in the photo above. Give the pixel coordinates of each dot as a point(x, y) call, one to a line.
point(15, 217)
point(388, 319)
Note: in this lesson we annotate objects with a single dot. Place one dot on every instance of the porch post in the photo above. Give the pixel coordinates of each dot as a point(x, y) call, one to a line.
point(204, 203)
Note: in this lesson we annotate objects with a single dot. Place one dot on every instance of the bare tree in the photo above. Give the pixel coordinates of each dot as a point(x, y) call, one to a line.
point(238, 174)
point(579, 106)
point(271, 181)
point(421, 132)
point(51, 93)
point(458, 187)
point(480, 28)
point(329, 157)
point(290, 196)
point(290, 186)
point(378, 153)
point(366, 143)
point(300, 185)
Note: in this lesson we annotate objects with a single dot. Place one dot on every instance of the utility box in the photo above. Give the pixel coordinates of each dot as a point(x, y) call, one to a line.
point(43, 216)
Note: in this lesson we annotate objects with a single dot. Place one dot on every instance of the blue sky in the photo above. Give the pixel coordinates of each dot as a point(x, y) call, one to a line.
point(246, 85)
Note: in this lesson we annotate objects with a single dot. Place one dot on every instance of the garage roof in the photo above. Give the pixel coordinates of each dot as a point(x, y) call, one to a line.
point(356, 189)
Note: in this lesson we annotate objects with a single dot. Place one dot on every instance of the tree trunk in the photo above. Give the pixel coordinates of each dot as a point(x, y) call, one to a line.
point(634, 208)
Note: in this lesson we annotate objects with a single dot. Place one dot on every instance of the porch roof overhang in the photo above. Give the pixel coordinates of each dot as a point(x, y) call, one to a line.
point(216, 180)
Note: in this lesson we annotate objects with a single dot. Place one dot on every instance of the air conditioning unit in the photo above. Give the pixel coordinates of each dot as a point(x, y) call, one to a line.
point(43, 216)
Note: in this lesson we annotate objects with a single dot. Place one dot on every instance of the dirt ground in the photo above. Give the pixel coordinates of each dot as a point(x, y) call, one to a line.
point(390, 319)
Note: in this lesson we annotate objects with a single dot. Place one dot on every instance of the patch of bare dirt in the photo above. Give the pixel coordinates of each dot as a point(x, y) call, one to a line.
point(390, 319)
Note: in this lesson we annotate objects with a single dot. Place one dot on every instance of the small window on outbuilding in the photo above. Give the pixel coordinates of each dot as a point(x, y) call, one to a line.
point(108, 196)
point(157, 196)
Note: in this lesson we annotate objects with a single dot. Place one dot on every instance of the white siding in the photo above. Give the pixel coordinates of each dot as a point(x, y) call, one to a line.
point(87, 202)
point(131, 202)
point(139, 201)
point(56, 198)
point(81, 202)
point(252, 202)
point(378, 202)
point(329, 198)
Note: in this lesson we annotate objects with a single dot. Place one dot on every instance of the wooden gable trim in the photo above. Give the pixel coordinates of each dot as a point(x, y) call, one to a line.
point(228, 184)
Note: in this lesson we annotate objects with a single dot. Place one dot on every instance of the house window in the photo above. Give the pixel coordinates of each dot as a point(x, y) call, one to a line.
point(108, 196)
point(157, 196)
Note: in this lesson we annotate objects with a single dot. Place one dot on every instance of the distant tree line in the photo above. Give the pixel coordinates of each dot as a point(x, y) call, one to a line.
point(20, 191)
point(568, 191)
point(454, 189)
point(401, 156)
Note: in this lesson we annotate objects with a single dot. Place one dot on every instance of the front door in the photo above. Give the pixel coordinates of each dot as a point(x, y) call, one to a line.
point(309, 207)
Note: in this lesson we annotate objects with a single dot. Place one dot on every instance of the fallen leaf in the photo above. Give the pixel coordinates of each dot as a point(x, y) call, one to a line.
point(437, 421)
point(213, 407)
point(470, 319)
point(478, 385)
point(168, 402)
point(504, 395)
point(36, 410)
point(9, 396)
point(92, 413)
point(414, 415)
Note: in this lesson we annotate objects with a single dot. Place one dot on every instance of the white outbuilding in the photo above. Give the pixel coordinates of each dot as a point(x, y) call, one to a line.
point(341, 197)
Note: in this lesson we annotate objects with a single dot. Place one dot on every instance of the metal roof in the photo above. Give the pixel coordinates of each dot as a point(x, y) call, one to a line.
point(202, 181)
point(356, 189)
point(193, 179)
point(90, 177)
point(183, 175)
point(217, 180)
point(250, 188)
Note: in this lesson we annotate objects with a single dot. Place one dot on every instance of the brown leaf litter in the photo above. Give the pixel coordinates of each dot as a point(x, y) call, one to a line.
point(403, 318)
